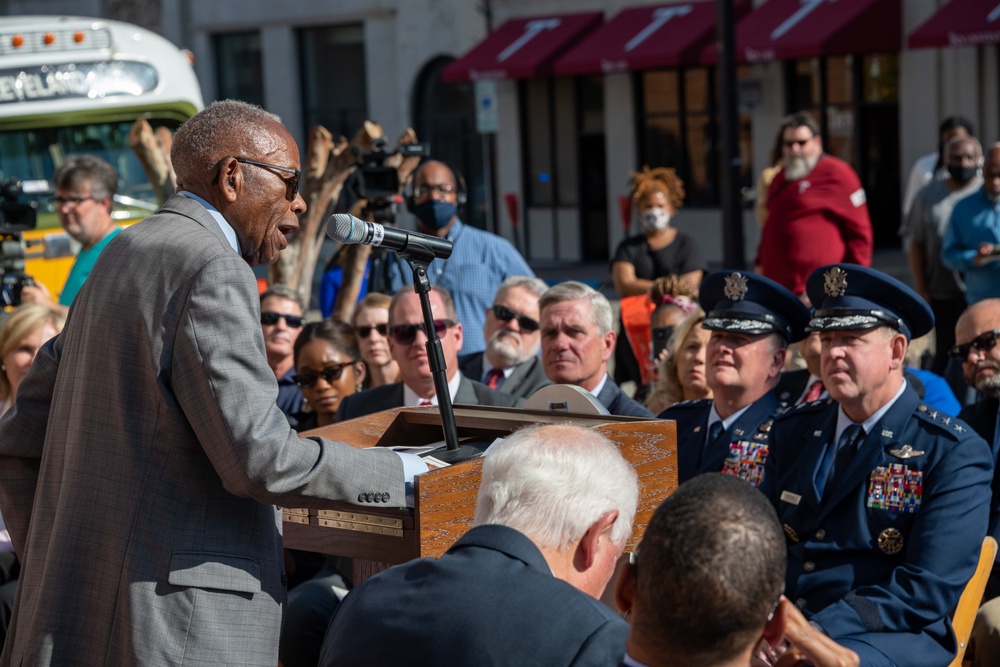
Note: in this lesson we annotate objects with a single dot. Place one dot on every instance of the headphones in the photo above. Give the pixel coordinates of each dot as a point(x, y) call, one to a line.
point(461, 192)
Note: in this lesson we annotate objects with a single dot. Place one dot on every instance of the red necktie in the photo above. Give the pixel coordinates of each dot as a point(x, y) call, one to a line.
point(425, 402)
point(493, 377)
point(815, 391)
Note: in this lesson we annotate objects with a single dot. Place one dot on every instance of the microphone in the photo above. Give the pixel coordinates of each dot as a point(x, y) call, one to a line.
point(347, 229)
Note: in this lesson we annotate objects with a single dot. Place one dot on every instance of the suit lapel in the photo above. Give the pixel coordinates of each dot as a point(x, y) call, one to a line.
point(189, 208)
point(814, 446)
point(466, 394)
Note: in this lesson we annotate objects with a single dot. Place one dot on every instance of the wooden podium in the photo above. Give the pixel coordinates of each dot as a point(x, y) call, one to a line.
point(445, 499)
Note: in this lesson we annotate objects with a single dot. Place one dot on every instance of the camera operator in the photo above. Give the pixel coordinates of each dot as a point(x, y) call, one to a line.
point(480, 260)
point(85, 188)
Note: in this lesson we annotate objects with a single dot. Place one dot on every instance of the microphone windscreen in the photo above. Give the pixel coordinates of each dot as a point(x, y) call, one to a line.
point(345, 228)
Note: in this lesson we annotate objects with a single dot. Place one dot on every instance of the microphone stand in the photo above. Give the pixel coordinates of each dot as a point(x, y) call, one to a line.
point(419, 257)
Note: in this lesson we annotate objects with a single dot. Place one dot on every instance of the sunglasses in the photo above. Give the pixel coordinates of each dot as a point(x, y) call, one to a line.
point(365, 332)
point(330, 374)
point(294, 321)
point(59, 202)
point(984, 342)
point(291, 184)
point(505, 314)
point(405, 334)
point(792, 143)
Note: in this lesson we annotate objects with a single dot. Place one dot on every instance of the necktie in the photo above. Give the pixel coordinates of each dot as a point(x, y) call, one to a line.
point(493, 378)
point(425, 402)
point(815, 391)
point(716, 433)
point(836, 460)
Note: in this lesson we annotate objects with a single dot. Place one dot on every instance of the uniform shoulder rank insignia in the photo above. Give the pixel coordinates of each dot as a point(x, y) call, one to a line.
point(906, 452)
point(890, 541)
point(746, 460)
point(896, 488)
point(736, 287)
point(835, 282)
point(959, 428)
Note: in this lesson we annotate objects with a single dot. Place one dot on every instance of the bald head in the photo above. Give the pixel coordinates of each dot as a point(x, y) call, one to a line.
point(223, 129)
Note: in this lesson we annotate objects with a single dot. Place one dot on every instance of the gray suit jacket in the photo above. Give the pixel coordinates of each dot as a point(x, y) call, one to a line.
point(525, 380)
point(389, 396)
point(140, 469)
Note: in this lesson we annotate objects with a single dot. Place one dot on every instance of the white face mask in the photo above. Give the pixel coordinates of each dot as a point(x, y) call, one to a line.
point(655, 219)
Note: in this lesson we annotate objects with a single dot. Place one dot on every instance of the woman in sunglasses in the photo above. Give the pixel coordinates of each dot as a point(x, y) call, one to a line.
point(371, 325)
point(328, 367)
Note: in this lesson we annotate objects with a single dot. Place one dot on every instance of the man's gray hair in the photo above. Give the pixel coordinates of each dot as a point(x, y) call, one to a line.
point(536, 286)
point(571, 290)
point(553, 481)
point(227, 128)
point(284, 292)
point(91, 169)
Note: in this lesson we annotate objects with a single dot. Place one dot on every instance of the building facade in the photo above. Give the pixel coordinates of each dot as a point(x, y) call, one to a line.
point(565, 128)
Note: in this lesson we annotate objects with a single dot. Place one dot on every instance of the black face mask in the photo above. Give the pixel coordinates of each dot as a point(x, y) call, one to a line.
point(962, 175)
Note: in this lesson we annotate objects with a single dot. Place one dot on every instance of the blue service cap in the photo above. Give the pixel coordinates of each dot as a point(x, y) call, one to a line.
point(751, 304)
point(848, 296)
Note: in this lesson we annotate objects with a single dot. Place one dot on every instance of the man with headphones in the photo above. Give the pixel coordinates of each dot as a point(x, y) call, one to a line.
point(479, 262)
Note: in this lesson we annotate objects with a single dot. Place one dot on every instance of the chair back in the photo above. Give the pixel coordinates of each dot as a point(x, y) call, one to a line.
point(968, 604)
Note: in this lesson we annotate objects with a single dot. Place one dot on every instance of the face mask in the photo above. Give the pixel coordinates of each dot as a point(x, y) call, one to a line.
point(960, 174)
point(436, 214)
point(655, 219)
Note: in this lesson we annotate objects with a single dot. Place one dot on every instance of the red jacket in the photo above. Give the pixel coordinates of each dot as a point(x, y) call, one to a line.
point(820, 219)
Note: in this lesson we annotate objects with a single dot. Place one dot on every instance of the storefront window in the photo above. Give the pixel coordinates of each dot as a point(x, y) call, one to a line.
point(679, 128)
point(334, 87)
point(238, 67)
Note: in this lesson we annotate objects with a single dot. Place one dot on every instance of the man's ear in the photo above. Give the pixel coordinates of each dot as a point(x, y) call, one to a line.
point(774, 631)
point(590, 543)
point(230, 180)
point(625, 588)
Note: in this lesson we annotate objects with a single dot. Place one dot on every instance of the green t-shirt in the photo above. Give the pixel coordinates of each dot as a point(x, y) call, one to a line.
point(81, 268)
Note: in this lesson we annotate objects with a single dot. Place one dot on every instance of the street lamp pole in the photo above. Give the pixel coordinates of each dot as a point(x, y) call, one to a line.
point(729, 156)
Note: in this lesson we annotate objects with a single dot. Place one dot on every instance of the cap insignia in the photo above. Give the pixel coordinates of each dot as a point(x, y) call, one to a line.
point(736, 287)
point(835, 282)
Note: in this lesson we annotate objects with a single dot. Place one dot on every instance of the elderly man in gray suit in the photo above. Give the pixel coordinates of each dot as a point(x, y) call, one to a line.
point(141, 466)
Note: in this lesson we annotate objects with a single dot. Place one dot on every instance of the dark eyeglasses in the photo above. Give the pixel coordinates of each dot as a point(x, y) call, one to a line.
point(330, 374)
point(365, 332)
point(291, 185)
point(294, 321)
point(984, 342)
point(59, 202)
point(405, 334)
point(505, 314)
point(443, 189)
point(797, 142)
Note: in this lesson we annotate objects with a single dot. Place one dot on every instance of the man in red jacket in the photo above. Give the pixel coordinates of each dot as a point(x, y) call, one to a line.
point(817, 213)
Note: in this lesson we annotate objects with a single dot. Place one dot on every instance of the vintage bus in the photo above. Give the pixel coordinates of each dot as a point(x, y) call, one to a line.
point(73, 85)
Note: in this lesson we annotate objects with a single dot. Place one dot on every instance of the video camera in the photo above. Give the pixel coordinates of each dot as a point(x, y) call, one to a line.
point(15, 217)
point(378, 184)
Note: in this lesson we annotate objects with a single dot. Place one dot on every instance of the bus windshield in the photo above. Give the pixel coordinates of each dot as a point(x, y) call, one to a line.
point(33, 154)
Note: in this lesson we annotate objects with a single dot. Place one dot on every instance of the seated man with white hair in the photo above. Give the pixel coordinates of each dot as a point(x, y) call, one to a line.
point(521, 587)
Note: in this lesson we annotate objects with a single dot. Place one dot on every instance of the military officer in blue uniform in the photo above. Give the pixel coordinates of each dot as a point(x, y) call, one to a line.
point(884, 501)
point(752, 320)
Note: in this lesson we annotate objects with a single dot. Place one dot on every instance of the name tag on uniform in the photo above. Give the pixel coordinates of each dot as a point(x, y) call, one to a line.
point(789, 497)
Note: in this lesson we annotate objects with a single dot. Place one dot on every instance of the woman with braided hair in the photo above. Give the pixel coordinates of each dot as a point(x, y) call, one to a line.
point(662, 250)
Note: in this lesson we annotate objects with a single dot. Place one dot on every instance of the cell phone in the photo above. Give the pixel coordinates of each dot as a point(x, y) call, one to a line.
point(660, 337)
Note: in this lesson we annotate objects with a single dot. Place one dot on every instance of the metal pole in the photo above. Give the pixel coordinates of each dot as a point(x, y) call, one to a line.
point(729, 156)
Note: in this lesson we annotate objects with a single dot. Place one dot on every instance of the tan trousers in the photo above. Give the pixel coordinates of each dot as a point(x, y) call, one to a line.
point(986, 635)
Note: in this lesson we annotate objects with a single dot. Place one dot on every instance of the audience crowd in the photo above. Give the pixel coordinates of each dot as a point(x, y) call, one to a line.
point(833, 492)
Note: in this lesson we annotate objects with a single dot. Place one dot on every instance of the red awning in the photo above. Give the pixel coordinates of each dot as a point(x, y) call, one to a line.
point(647, 37)
point(522, 48)
point(960, 23)
point(789, 29)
